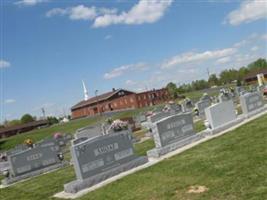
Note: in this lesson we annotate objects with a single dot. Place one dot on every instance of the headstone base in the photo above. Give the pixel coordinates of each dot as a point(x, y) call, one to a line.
point(250, 114)
point(78, 185)
point(7, 181)
point(157, 152)
point(227, 125)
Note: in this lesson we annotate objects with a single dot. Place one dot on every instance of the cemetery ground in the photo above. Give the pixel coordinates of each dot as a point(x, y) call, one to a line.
point(232, 166)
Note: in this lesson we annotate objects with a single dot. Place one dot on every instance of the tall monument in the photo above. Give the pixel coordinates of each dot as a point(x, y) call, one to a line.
point(85, 92)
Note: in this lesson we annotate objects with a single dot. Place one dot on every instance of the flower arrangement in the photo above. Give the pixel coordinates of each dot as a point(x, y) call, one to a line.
point(57, 135)
point(29, 142)
point(118, 125)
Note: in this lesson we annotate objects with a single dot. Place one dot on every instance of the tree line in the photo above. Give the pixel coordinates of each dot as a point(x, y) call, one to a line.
point(225, 77)
point(27, 118)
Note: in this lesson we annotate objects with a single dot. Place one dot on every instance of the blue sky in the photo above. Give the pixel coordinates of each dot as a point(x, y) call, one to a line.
point(49, 46)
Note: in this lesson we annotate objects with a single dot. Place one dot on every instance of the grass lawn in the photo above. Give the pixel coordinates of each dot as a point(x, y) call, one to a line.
point(233, 166)
point(39, 134)
point(71, 127)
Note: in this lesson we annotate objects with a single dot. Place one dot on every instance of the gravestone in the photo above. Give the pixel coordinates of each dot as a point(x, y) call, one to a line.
point(239, 90)
point(171, 133)
point(17, 149)
point(251, 103)
point(45, 156)
point(89, 132)
point(100, 158)
point(141, 118)
point(221, 114)
point(175, 108)
point(201, 106)
point(224, 97)
point(205, 97)
point(158, 116)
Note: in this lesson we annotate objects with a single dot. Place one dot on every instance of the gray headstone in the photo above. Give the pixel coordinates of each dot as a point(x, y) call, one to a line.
point(251, 102)
point(201, 106)
point(220, 114)
point(17, 149)
point(140, 118)
point(89, 132)
point(224, 97)
point(158, 116)
point(100, 154)
point(173, 129)
point(41, 156)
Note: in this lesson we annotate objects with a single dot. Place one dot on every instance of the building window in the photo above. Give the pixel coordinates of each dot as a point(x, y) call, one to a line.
point(115, 105)
point(131, 100)
point(144, 96)
point(125, 100)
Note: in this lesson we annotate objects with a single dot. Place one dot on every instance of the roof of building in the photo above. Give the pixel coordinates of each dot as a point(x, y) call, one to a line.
point(151, 91)
point(21, 126)
point(98, 98)
point(253, 74)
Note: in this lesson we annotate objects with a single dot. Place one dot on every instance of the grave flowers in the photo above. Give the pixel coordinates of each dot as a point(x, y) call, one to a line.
point(118, 125)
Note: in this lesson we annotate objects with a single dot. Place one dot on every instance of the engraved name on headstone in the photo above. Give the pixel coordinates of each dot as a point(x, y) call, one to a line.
point(173, 129)
point(43, 155)
point(251, 102)
point(97, 155)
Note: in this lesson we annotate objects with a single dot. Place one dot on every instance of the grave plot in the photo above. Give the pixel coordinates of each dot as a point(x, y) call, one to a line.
point(171, 133)
point(221, 116)
point(100, 158)
point(42, 157)
point(251, 103)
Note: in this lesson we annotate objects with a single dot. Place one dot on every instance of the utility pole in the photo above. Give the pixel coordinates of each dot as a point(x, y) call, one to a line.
point(208, 72)
point(43, 111)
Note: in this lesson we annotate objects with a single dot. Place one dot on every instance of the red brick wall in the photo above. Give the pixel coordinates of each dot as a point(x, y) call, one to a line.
point(128, 101)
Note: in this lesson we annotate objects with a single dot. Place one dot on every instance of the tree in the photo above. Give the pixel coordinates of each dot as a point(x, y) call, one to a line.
point(257, 65)
point(13, 122)
point(213, 80)
point(52, 120)
point(200, 84)
point(172, 89)
point(26, 119)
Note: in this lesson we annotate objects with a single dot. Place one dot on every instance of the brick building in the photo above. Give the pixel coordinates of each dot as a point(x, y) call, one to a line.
point(117, 100)
point(22, 128)
point(251, 78)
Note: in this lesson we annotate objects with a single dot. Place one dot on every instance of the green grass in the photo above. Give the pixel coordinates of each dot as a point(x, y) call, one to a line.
point(232, 167)
point(199, 126)
point(71, 127)
point(39, 134)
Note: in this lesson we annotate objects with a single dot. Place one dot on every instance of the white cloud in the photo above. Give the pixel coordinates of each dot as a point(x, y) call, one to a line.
point(116, 72)
point(130, 82)
point(29, 2)
point(142, 12)
point(255, 48)
point(4, 64)
point(192, 57)
point(250, 10)
point(57, 11)
point(264, 37)
point(82, 12)
point(223, 60)
point(79, 12)
point(9, 101)
point(107, 37)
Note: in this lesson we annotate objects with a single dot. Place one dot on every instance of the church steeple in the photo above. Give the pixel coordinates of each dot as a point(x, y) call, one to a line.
point(85, 92)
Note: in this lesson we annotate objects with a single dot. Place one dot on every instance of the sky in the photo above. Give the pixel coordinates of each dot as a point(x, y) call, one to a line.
point(49, 46)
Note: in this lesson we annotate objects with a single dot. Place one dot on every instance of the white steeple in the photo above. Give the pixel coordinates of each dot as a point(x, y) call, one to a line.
point(85, 92)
